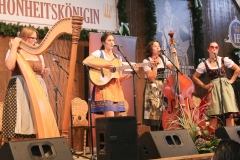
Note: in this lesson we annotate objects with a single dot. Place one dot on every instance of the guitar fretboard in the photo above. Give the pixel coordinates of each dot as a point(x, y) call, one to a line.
point(121, 68)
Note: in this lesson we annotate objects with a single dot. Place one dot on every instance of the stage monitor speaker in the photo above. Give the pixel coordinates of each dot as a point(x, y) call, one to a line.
point(39, 149)
point(230, 132)
point(117, 138)
point(163, 144)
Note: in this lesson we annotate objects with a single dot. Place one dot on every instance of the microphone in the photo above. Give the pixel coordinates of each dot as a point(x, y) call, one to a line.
point(161, 51)
point(215, 53)
point(115, 45)
point(54, 60)
point(219, 70)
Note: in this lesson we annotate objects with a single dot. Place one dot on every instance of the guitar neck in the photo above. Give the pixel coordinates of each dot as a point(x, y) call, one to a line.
point(121, 68)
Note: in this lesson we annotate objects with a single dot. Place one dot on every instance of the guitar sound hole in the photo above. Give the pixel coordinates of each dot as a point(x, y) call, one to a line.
point(113, 69)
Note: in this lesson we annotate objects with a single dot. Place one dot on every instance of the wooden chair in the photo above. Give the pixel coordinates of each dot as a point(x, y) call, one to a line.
point(80, 125)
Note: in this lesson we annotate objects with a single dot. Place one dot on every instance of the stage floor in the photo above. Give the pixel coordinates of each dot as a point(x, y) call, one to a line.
point(88, 156)
point(206, 156)
point(80, 156)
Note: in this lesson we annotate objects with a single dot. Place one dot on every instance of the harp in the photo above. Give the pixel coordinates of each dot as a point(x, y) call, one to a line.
point(44, 120)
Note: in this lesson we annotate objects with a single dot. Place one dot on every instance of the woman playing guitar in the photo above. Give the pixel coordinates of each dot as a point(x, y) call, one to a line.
point(107, 99)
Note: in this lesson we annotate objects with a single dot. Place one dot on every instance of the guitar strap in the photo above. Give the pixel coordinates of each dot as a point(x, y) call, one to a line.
point(116, 56)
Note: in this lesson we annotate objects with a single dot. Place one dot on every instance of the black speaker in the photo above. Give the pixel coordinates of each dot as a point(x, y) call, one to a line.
point(163, 144)
point(39, 149)
point(230, 132)
point(117, 138)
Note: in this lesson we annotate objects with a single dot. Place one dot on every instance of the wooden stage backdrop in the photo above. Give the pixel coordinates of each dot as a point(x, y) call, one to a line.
point(217, 15)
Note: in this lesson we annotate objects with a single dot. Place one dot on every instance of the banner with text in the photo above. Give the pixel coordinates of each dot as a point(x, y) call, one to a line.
point(100, 15)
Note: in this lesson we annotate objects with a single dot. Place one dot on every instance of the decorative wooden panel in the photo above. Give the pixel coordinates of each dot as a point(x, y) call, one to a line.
point(237, 3)
point(79, 112)
point(1, 109)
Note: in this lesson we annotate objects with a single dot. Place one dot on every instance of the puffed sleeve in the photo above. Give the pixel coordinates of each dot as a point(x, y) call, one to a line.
point(201, 68)
point(96, 53)
point(228, 62)
point(43, 63)
point(166, 60)
point(7, 54)
point(146, 68)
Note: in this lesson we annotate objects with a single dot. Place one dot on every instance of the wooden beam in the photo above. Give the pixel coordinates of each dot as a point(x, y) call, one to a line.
point(237, 3)
point(206, 156)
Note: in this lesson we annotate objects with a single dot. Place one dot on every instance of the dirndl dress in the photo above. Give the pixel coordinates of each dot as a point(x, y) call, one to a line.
point(226, 95)
point(154, 102)
point(108, 97)
point(17, 118)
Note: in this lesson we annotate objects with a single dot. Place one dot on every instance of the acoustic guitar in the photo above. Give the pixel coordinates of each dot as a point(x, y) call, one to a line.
point(101, 76)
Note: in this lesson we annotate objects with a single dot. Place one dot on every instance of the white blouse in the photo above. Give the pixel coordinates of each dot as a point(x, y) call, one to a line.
point(227, 62)
point(97, 54)
point(41, 57)
point(160, 65)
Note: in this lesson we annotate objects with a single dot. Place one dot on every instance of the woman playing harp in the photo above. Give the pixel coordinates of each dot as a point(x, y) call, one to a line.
point(45, 125)
point(17, 120)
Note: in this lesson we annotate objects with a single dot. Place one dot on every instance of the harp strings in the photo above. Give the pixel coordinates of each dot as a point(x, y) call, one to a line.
point(57, 58)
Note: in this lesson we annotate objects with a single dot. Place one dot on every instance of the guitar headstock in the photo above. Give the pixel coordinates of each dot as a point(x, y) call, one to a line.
point(171, 40)
point(151, 64)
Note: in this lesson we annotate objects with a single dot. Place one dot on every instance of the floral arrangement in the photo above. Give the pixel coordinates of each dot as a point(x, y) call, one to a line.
point(193, 120)
point(206, 141)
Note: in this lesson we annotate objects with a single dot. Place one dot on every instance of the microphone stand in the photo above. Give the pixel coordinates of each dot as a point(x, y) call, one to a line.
point(175, 69)
point(134, 86)
point(51, 52)
point(54, 54)
point(90, 117)
point(221, 90)
point(56, 97)
point(89, 108)
point(58, 63)
point(176, 85)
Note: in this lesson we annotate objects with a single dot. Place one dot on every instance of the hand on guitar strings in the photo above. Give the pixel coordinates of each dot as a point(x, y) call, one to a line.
point(109, 65)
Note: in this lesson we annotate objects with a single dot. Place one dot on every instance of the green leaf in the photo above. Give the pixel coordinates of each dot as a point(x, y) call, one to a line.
point(206, 150)
point(215, 142)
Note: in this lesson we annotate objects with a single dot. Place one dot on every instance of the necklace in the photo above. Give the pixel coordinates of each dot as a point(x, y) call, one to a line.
point(212, 60)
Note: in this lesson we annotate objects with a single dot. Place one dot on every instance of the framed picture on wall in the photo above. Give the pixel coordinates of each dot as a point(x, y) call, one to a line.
point(175, 15)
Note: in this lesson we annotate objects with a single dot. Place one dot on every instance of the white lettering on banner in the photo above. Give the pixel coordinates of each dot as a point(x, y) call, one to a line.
point(236, 38)
point(100, 15)
point(35, 9)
